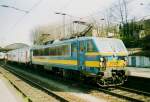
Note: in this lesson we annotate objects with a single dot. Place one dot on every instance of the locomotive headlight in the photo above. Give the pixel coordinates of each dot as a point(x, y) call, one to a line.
point(101, 59)
point(100, 64)
point(125, 59)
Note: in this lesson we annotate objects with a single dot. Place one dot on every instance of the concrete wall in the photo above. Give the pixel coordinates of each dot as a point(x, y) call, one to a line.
point(139, 61)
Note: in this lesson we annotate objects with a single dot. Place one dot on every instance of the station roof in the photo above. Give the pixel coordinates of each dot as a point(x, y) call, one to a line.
point(15, 46)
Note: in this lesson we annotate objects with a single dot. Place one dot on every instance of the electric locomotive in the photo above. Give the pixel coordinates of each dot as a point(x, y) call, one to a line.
point(102, 59)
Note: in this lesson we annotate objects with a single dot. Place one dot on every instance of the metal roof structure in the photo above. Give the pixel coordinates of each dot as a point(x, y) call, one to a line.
point(16, 46)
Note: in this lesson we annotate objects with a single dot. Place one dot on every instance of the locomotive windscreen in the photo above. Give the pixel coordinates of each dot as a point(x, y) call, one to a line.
point(109, 45)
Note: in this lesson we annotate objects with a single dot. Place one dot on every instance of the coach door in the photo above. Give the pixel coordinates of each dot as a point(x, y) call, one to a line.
point(82, 54)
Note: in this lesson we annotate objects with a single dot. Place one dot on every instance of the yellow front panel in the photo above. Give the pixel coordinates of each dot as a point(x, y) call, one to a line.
point(112, 63)
point(92, 64)
point(105, 53)
point(116, 63)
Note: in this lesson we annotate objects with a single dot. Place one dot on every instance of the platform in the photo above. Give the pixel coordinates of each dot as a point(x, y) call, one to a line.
point(7, 93)
point(139, 72)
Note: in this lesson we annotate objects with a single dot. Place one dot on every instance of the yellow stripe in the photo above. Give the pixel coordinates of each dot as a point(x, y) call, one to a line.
point(92, 63)
point(98, 53)
point(116, 63)
point(67, 62)
point(105, 53)
point(119, 63)
point(113, 63)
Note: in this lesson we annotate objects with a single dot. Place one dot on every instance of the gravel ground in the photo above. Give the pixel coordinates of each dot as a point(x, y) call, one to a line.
point(33, 93)
point(6, 90)
point(16, 93)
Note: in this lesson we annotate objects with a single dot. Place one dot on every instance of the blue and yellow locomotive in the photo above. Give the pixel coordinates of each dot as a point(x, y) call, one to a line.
point(102, 59)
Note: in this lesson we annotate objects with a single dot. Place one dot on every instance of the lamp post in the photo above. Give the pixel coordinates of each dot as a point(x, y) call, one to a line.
point(63, 23)
point(102, 27)
point(7, 6)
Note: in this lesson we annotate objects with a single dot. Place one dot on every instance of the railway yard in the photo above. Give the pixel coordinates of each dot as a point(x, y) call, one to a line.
point(75, 51)
point(42, 87)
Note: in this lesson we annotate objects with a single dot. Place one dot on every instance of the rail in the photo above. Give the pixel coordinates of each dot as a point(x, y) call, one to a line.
point(33, 82)
point(127, 94)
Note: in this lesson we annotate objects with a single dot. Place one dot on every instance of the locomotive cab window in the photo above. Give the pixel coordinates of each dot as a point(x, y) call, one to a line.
point(74, 47)
point(90, 46)
point(82, 46)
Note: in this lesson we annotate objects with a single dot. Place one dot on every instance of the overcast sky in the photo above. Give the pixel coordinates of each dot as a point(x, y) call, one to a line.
point(15, 26)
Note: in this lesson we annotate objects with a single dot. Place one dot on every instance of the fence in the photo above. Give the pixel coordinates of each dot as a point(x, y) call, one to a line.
point(139, 61)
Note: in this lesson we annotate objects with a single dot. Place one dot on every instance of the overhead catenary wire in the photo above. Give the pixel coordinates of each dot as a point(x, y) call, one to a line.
point(8, 6)
point(66, 5)
point(22, 17)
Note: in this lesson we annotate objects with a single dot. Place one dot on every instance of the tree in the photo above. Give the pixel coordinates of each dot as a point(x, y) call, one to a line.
point(41, 34)
point(146, 42)
point(119, 11)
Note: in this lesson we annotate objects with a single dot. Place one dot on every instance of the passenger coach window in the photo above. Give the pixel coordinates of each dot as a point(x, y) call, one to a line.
point(90, 46)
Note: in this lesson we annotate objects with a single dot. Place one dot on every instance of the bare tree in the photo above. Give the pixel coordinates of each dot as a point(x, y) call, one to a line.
point(35, 34)
point(41, 34)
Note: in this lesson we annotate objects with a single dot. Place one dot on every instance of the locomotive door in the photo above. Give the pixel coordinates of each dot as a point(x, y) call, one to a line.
point(81, 56)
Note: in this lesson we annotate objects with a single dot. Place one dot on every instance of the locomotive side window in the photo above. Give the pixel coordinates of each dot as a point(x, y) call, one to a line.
point(52, 51)
point(41, 52)
point(46, 51)
point(58, 51)
point(35, 52)
point(63, 50)
point(90, 46)
point(82, 47)
point(74, 47)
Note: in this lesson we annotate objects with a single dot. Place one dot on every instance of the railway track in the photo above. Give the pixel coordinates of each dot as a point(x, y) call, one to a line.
point(35, 84)
point(72, 95)
point(119, 92)
point(134, 91)
point(127, 94)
